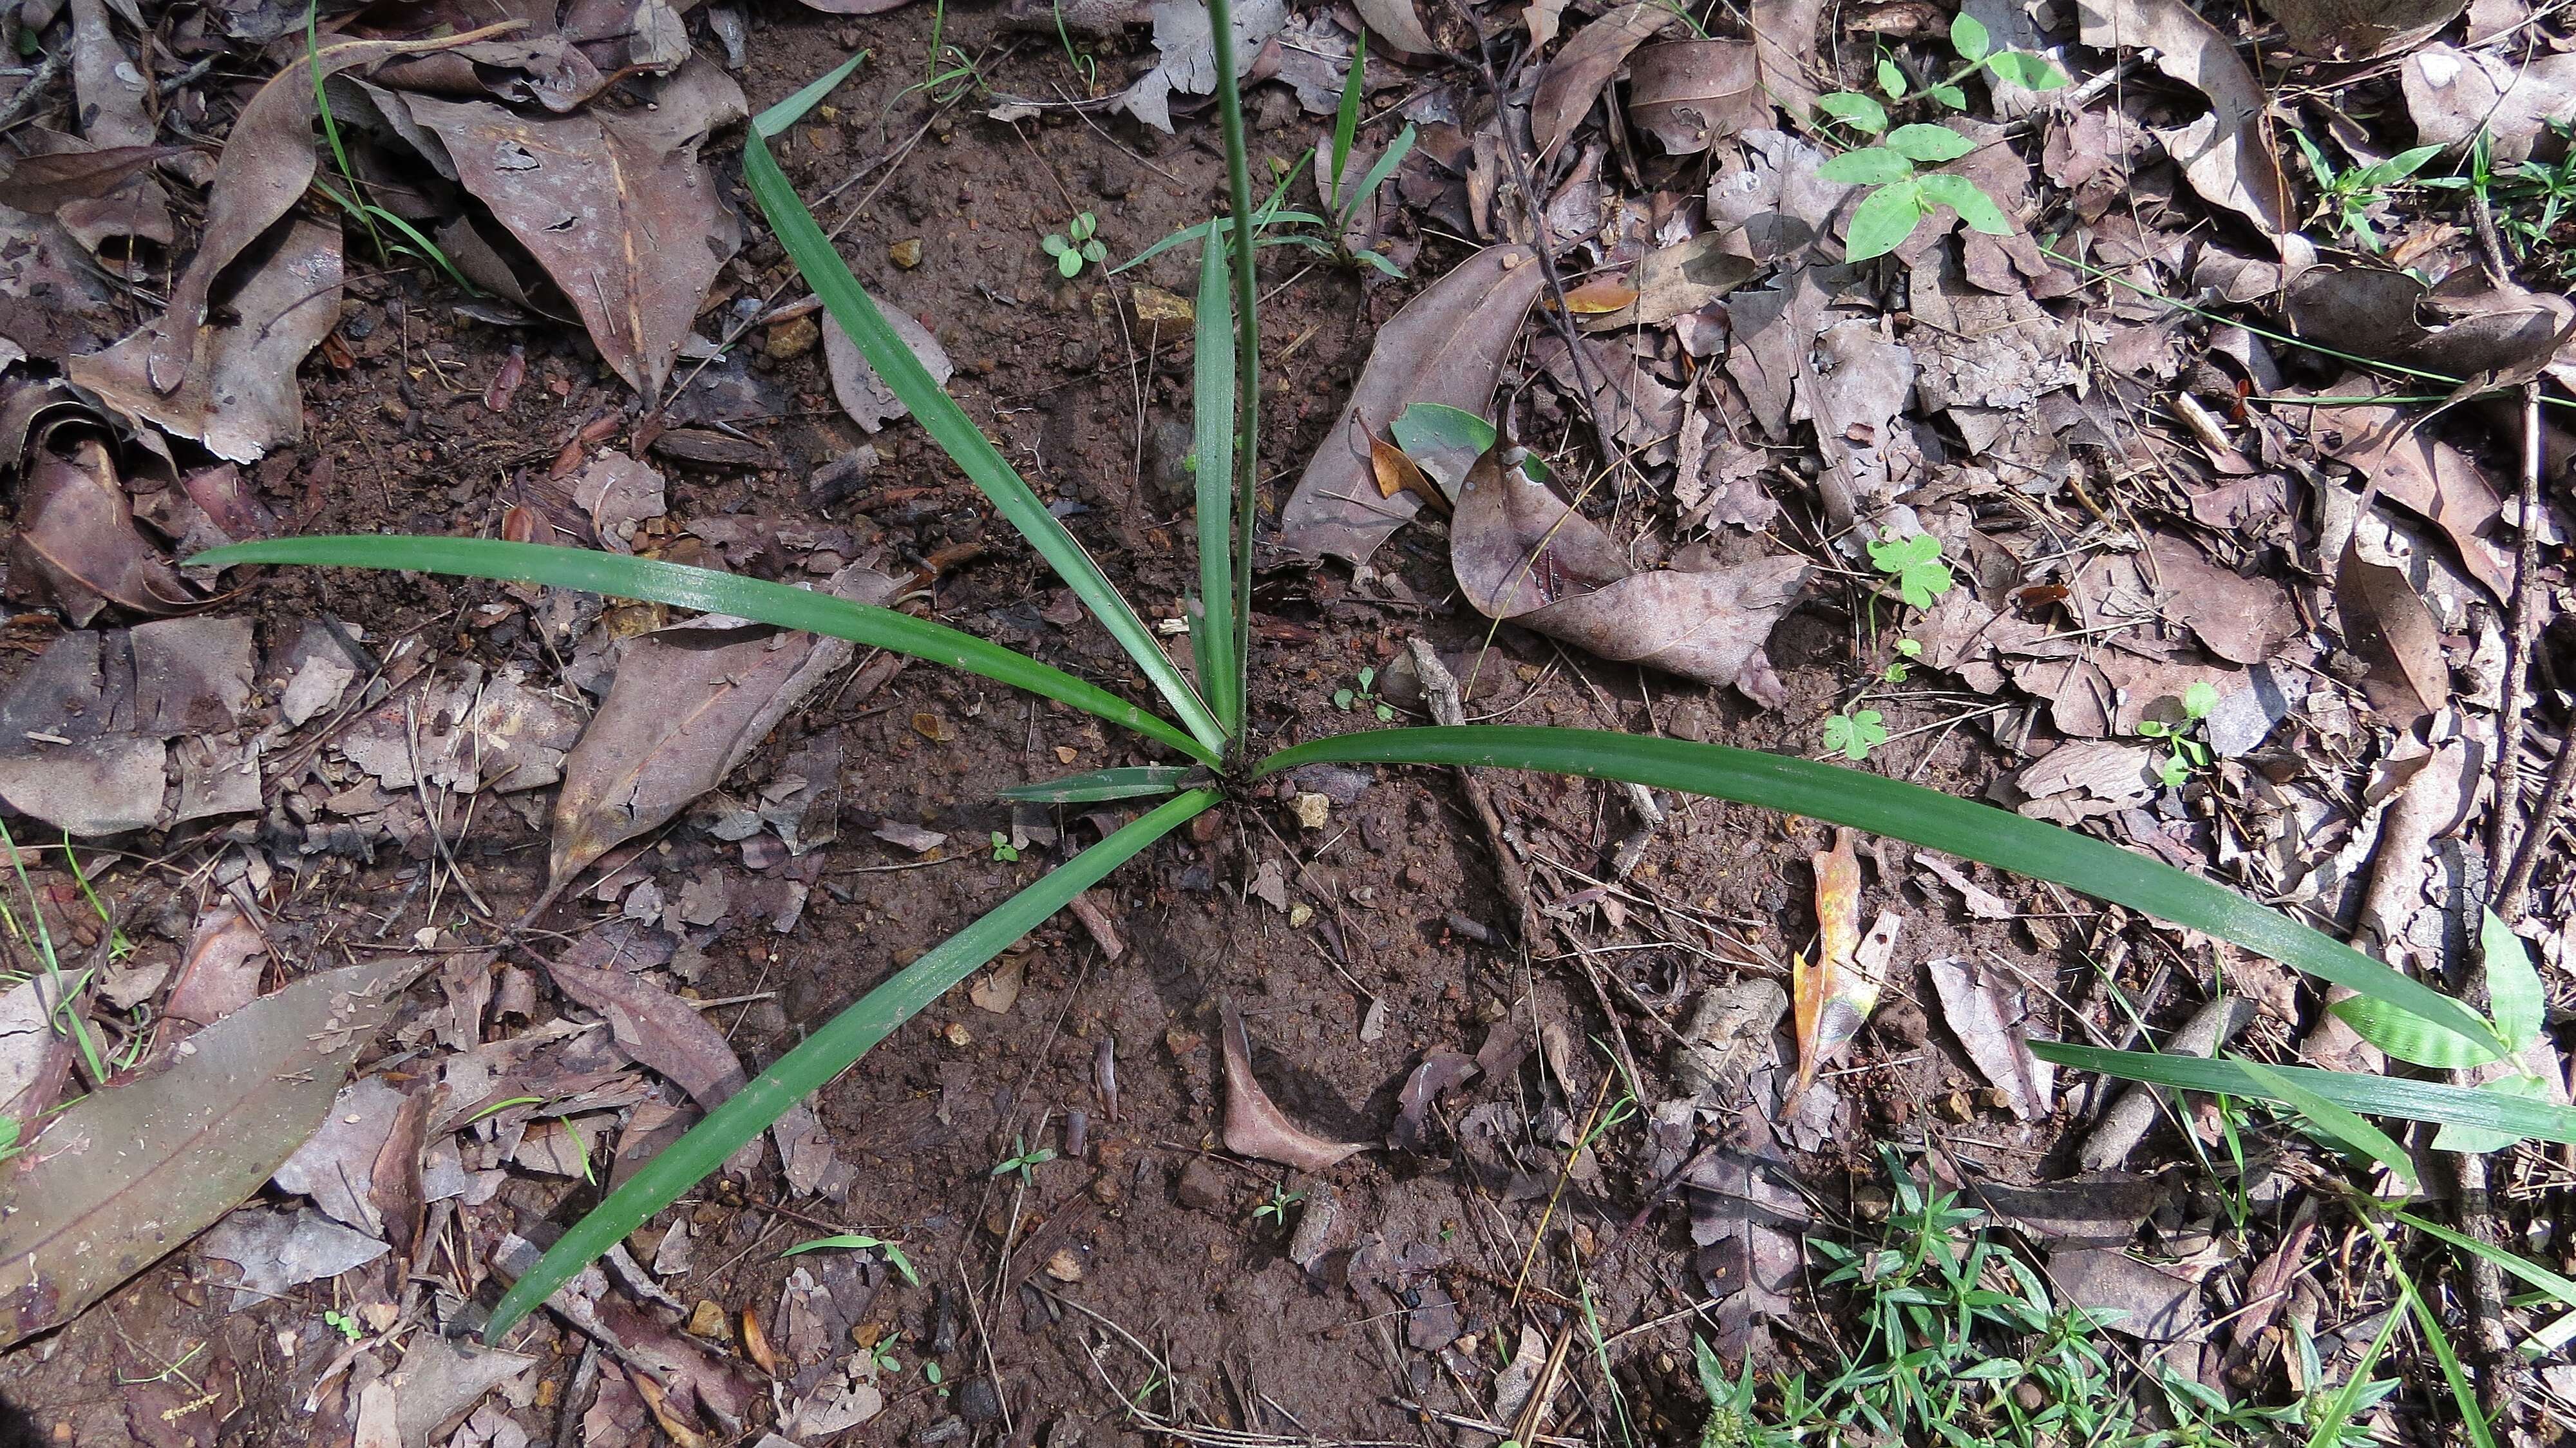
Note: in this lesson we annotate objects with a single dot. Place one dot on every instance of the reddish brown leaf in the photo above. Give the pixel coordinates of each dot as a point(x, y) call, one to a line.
point(1254, 1125)
point(1834, 996)
point(77, 537)
point(1586, 64)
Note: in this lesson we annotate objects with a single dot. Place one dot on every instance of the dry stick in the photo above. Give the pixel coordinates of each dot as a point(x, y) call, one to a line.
point(2518, 637)
point(2129, 1117)
point(1440, 690)
point(2544, 822)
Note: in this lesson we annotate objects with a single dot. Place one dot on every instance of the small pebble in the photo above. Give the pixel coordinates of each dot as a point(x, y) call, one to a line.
point(707, 1321)
point(978, 1402)
point(906, 253)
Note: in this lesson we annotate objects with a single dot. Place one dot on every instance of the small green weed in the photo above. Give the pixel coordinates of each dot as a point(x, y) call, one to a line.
point(1901, 196)
point(2353, 194)
point(1077, 246)
point(1275, 1210)
point(1003, 849)
point(1348, 699)
point(858, 1242)
point(2183, 754)
point(1024, 1161)
point(342, 1323)
point(1898, 671)
point(1855, 732)
point(1915, 562)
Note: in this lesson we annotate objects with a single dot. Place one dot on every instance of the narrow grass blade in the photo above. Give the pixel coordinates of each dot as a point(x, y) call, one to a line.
point(2472, 1417)
point(1906, 812)
point(1223, 224)
point(702, 588)
point(2520, 1116)
point(2334, 1121)
point(1247, 316)
point(2548, 1339)
point(1126, 782)
point(1346, 122)
point(842, 1040)
point(957, 434)
point(856, 1242)
point(1377, 174)
point(791, 110)
point(1212, 454)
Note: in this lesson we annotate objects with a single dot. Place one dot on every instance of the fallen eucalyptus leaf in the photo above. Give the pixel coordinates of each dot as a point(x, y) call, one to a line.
point(1254, 1125)
point(868, 401)
point(2225, 154)
point(129, 1172)
point(1691, 94)
point(1574, 79)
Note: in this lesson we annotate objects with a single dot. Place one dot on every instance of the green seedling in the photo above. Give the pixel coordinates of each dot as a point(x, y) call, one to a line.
point(858, 1242)
point(1081, 60)
point(2183, 754)
point(1076, 247)
point(1854, 733)
point(1214, 759)
point(1024, 1161)
point(1003, 849)
point(342, 1323)
point(1275, 1210)
point(1343, 200)
point(1348, 699)
point(1898, 671)
point(1915, 563)
point(2353, 195)
point(1900, 194)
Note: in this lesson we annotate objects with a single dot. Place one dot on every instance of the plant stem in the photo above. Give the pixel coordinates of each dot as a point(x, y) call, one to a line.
point(1247, 336)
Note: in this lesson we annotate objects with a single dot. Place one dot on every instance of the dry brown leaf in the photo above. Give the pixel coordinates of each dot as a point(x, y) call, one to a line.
point(1576, 76)
point(267, 163)
point(1690, 94)
point(616, 205)
point(220, 973)
point(2387, 625)
point(111, 93)
point(1522, 554)
point(2464, 330)
point(1600, 295)
point(1784, 41)
point(1254, 1125)
point(1398, 22)
point(1989, 1015)
point(687, 704)
point(73, 171)
point(2422, 474)
point(240, 397)
point(1833, 997)
point(1397, 473)
point(2456, 95)
point(132, 1170)
point(2349, 30)
point(2227, 154)
point(77, 539)
point(1446, 346)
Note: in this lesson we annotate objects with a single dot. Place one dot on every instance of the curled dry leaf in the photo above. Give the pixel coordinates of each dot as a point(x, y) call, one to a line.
point(1833, 997)
point(616, 205)
point(1784, 52)
point(268, 162)
point(2422, 474)
point(1523, 555)
point(131, 1171)
point(1446, 346)
point(1254, 1125)
point(110, 91)
point(1586, 64)
point(1186, 41)
point(1399, 23)
point(76, 537)
point(2466, 330)
point(2226, 155)
point(1693, 93)
point(240, 398)
point(866, 398)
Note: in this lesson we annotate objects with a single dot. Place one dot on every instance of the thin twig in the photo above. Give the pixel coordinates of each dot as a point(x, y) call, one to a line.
point(2544, 822)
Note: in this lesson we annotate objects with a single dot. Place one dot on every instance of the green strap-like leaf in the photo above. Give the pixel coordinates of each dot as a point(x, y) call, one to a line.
point(2352, 1090)
point(957, 434)
point(1906, 812)
point(823, 1055)
point(2336, 1121)
point(704, 588)
point(1126, 782)
point(1212, 455)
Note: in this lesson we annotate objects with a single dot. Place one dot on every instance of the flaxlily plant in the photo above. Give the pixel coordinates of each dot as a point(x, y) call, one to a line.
point(1204, 725)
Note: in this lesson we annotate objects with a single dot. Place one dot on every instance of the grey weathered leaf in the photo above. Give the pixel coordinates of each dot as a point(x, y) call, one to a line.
point(2455, 95)
point(279, 1250)
point(2350, 30)
point(1523, 555)
point(1445, 346)
point(862, 394)
point(2386, 623)
point(1693, 93)
point(131, 1171)
point(2226, 154)
point(1988, 1015)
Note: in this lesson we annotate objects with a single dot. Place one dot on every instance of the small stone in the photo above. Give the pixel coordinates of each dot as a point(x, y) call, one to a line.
point(978, 1402)
point(1314, 1226)
point(906, 253)
point(956, 1034)
point(1203, 1187)
point(708, 1320)
point(1955, 1108)
point(1065, 1265)
point(1163, 311)
point(1313, 811)
point(792, 338)
point(1299, 914)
